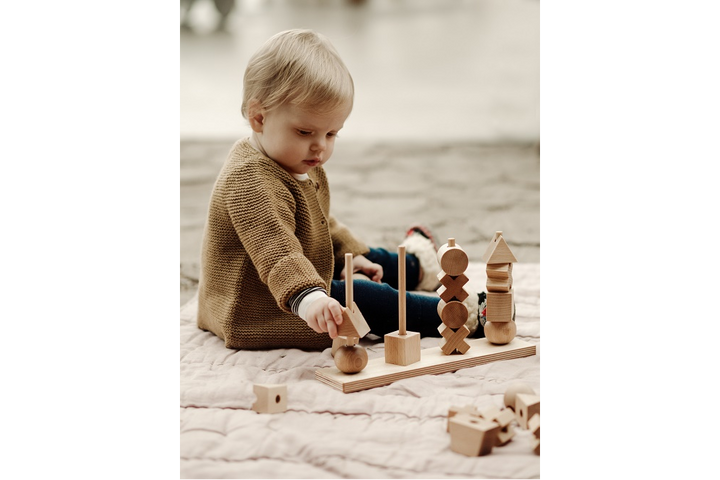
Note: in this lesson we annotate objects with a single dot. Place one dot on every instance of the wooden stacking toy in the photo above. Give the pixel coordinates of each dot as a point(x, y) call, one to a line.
point(354, 372)
point(402, 347)
point(500, 328)
point(453, 261)
point(349, 356)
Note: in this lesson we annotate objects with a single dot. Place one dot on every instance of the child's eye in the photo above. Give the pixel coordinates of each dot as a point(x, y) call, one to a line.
point(331, 134)
point(303, 133)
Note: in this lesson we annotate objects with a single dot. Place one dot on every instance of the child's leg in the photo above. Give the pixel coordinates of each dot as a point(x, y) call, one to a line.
point(389, 262)
point(378, 303)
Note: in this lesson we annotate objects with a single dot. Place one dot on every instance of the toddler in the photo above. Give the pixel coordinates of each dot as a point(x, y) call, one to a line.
point(272, 254)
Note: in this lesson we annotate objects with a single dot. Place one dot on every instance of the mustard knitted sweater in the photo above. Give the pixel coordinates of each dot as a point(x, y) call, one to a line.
point(268, 237)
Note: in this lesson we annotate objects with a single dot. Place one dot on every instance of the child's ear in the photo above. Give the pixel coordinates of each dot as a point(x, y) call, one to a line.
point(256, 116)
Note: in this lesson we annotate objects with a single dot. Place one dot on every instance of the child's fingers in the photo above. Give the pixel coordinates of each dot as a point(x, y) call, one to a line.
point(336, 312)
point(332, 329)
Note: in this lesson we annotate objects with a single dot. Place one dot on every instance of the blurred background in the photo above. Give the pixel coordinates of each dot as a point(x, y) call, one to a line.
point(445, 128)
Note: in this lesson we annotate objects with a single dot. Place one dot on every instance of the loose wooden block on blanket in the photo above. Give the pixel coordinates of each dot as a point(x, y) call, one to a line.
point(534, 425)
point(526, 406)
point(433, 362)
point(535, 442)
point(454, 410)
point(503, 418)
point(512, 391)
point(270, 398)
point(472, 436)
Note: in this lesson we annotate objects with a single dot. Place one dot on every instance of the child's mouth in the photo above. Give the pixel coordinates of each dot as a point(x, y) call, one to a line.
point(314, 162)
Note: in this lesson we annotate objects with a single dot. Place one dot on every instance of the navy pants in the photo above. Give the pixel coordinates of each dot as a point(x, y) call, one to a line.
point(378, 302)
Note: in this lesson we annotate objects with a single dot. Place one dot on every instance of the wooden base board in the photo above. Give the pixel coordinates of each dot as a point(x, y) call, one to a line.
point(432, 362)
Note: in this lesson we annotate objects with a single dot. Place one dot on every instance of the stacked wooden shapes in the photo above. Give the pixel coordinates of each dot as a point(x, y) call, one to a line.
point(433, 362)
point(349, 356)
point(500, 326)
point(402, 347)
point(402, 358)
point(454, 314)
point(270, 398)
point(475, 432)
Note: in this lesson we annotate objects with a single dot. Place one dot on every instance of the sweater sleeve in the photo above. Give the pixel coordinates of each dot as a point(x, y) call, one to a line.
point(344, 241)
point(262, 211)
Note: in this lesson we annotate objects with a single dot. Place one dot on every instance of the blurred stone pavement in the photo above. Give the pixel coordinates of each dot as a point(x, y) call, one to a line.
point(462, 190)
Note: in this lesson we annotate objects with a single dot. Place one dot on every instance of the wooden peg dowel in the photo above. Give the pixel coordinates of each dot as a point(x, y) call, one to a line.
point(348, 280)
point(451, 242)
point(401, 289)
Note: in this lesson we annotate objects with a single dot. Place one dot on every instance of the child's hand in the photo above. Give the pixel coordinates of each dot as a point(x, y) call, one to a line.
point(324, 315)
point(361, 264)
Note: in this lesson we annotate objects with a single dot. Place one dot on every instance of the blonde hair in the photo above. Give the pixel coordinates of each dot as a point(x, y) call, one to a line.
point(297, 66)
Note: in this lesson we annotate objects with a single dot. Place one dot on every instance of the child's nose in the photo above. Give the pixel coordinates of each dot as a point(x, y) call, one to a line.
point(318, 146)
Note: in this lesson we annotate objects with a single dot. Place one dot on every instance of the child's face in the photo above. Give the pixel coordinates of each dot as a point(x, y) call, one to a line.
point(299, 140)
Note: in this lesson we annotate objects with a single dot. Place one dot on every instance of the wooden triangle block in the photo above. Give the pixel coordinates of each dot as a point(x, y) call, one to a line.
point(354, 324)
point(498, 251)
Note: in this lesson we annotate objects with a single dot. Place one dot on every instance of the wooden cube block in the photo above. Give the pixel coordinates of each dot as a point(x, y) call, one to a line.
point(526, 406)
point(534, 425)
point(454, 410)
point(402, 349)
point(505, 419)
point(489, 413)
point(499, 306)
point(499, 286)
point(270, 398)
point(535, 443)
point(472, 436)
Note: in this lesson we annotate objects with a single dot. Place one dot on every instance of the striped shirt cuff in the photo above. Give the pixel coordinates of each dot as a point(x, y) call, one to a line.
point(299, 303)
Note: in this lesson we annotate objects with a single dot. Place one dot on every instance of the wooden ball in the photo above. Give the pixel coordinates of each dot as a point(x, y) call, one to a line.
point(500, 333)
point(351, 359)
point(512, 392)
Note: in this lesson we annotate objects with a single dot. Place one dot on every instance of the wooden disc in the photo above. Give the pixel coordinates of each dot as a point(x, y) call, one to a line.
point(500, 333)
point(351, 359)
point(453, 260)
point(453, 314)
